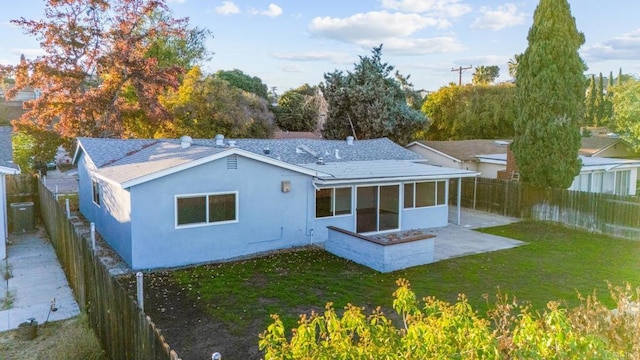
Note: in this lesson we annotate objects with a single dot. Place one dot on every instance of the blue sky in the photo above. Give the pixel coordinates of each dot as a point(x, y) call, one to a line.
point(291, 42)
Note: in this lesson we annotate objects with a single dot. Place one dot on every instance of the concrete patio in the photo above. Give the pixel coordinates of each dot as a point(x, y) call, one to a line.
point(461, 240)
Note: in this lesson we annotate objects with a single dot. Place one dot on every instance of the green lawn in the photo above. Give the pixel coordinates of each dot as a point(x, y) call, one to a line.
point(555, 265)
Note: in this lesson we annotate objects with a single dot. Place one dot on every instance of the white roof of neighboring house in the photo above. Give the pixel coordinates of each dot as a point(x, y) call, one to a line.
point(132, 162)
point(464, 150)
point(588, 163)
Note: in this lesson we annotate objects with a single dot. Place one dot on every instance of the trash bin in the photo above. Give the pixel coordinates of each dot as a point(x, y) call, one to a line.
point(22, 217)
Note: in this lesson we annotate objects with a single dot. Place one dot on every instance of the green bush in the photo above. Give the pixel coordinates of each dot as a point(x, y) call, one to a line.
point(434, 329)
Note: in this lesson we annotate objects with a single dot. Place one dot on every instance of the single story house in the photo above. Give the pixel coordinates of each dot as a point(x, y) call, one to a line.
point(489, 158)
point(7, 167)
point(461, 154)
point(607, 146)
point(170, 202)
point(599, 175)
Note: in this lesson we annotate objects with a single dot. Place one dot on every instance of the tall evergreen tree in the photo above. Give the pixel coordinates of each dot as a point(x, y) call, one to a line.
point(608, 100)
point(600, 106)
point(550, 93)
point(619, 82)
point(590, 103)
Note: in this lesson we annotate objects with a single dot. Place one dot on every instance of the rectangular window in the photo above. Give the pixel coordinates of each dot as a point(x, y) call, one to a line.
point(206, 209)
point(441, 187)
point(425, 194)
point(408, 195)
point(95, 189)
point(333, 202)
point(622, 182)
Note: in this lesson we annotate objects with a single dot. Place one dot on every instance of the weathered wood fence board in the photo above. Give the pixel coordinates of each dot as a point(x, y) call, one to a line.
point(603, 213)
point(125, 332)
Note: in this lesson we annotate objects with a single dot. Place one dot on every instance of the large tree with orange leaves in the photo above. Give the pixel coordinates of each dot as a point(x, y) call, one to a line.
point(103, 67)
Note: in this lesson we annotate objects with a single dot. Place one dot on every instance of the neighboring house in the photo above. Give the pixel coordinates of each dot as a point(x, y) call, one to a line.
point(462, 154)
point(7, 167)
point(165, 203)
point(606, 146)
point(599, 175)
point(489, 157)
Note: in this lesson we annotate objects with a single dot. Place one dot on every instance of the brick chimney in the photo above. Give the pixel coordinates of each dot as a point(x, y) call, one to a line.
point(511, 172)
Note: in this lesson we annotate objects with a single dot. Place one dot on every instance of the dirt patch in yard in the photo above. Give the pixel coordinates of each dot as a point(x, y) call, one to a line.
point(188, 328)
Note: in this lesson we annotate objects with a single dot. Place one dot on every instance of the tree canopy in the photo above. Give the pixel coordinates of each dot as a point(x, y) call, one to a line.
point(104, 65)
point(484, 75)
point(550, 93)
point(298, 109)
point(471, 112)
point(204, 106)
point(248, 83)
point(626, 111)
point(369, 102)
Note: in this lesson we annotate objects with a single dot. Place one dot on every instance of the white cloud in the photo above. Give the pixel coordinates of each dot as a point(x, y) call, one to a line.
point(227, 8)
point(503, 16)
point(292, 68)
point(273, 11)
point(440, 8)
point(335, 57)
point(375, 26)
point(625, 47)
point(402, 46)
point(177, 1)
point(487, 60)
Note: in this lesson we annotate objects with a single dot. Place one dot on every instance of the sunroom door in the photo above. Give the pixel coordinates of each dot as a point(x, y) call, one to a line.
point(377, 208)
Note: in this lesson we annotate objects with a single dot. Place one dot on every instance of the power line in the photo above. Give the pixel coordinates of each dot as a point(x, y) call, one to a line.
point(459, 70)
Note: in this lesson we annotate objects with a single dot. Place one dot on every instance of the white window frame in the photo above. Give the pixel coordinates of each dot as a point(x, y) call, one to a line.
point(435, 195)
point(333, 202)
point(206, 222)
point(96, 192)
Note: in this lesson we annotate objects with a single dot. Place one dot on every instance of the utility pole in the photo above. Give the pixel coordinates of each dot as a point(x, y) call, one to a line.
point(459, 70)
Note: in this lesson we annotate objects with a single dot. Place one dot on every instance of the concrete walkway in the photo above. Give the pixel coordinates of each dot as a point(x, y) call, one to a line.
point(37, 278)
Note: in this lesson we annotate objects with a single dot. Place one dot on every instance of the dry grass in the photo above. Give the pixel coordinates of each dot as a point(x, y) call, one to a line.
point(66, 339)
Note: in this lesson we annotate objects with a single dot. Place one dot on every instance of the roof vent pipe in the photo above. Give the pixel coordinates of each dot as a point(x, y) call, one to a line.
point(186, 141)
point(232, 143)
point(350, 140)
point(338, 155)
point(320, 161)
point(219, 140)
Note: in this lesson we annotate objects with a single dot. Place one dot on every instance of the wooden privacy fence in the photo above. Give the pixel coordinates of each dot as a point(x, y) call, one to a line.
point(603, 213)
point(125, 332)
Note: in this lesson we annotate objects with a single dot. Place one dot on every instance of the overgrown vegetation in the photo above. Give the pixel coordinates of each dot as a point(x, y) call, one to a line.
point(66, 339)
point(435, 329)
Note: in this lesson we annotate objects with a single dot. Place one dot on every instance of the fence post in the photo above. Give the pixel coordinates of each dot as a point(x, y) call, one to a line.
point(140, 290)
point(93, 237)
point(66, 204)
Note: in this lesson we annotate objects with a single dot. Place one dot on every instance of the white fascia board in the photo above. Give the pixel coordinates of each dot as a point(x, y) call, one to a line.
point(220, 155)
point(434, 150)
point(395, 179)
point(9, 171)
point(491, 161)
